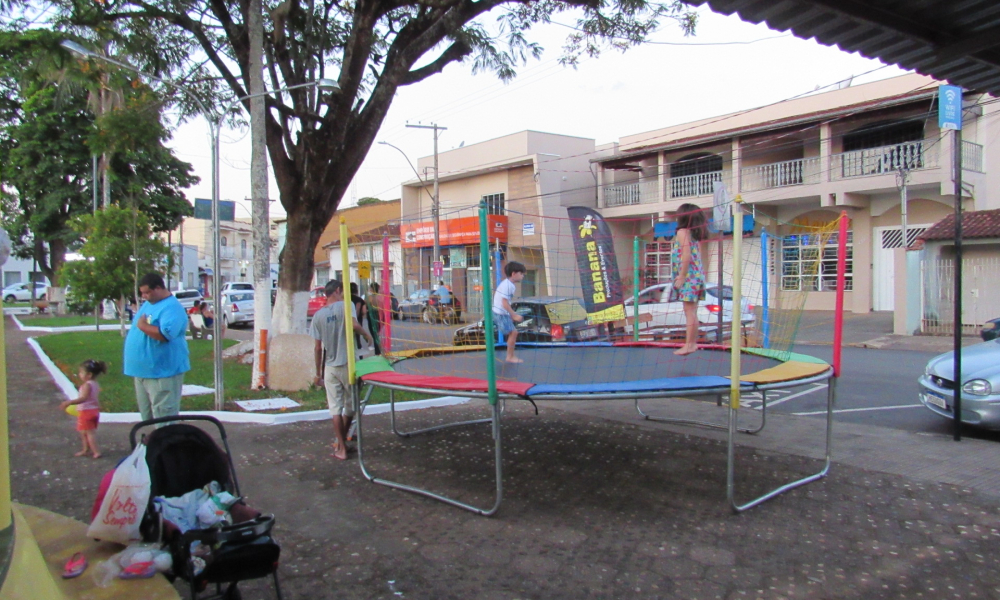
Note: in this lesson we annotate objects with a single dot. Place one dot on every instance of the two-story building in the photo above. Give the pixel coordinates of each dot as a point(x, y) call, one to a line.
point(802, 162)
point(524, 179)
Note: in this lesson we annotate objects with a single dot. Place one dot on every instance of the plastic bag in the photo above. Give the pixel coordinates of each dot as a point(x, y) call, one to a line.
point(125, 502)
point(137, 557)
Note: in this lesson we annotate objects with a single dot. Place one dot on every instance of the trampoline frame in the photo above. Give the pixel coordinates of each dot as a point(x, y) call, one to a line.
point(496, 411)
point(497, 399)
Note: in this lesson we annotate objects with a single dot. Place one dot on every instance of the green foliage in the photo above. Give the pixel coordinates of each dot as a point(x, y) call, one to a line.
point(119, 245)
point(369, 200)
point(49, 134)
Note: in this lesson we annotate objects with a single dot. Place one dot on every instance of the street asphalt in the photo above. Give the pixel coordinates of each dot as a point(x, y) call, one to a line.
point(597, 503)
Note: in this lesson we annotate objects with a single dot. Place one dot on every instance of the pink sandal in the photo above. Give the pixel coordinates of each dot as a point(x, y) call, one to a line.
point(75, 566)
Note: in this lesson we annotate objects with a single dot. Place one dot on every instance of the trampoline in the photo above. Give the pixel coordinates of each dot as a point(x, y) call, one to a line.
point(626, 360)
point(623, 371)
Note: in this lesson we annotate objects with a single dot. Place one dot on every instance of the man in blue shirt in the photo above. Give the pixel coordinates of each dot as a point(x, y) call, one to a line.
point(443, 293)
point(156, 352)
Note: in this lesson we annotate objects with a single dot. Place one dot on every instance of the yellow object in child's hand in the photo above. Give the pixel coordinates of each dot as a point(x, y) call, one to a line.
point(72, 410)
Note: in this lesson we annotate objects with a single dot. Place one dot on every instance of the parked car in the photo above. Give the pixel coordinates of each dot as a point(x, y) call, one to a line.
point(669, 316)
point(991, 330)
point(187, 298)
point(317, 300)
point(233, 286)
point(21, 292)
point(980, 389)
point(546, 319)
point(413, 306)
point(237, 307)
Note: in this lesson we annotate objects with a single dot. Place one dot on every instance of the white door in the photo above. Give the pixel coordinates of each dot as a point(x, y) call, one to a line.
point(885, 240)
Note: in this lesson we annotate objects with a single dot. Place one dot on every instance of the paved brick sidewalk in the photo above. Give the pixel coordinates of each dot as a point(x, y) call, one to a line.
point(597, 505)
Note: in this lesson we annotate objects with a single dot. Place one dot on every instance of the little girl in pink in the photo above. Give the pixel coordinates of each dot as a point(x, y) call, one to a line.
point(88, 406)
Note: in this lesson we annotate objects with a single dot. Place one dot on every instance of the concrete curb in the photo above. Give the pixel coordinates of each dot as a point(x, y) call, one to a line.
point(24, 327)
point(69, 390)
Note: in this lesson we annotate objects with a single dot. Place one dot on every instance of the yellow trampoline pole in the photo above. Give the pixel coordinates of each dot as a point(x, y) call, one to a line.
point(736, 320)
point(348, 304)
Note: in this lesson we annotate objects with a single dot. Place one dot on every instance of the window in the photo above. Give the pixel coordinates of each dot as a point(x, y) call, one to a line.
point(694, 175)
point(809, 265)
point(224, 242)
point(243, 249)
point(472, 257)
point(883, 148)
point(11, 277)
point(657, 263)
point(495, 204)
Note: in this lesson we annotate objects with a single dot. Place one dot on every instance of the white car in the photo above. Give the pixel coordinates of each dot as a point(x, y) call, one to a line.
point(187, 298)
point(21, 292)
point(668, 316)
point(236, 286)
point(237, 307)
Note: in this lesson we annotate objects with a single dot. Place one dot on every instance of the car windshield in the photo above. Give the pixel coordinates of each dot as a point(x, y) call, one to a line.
point(240, 297)
point(566, 311)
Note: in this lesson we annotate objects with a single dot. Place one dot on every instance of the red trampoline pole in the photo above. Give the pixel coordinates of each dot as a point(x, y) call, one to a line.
point(838, 317)
point(386, 307)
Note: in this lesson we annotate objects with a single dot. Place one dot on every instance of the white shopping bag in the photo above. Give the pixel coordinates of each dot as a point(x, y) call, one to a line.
point(125, 502)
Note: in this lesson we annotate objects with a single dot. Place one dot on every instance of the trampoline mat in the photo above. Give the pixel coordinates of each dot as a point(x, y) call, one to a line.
point(585, 365)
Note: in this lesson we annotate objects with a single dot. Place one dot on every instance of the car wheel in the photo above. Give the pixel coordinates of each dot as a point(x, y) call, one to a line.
point(10, 299)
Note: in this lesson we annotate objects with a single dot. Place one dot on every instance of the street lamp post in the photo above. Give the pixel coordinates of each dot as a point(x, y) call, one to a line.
point(215, 126)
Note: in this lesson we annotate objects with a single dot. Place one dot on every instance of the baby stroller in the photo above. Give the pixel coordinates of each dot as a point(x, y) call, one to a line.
point(183, 458)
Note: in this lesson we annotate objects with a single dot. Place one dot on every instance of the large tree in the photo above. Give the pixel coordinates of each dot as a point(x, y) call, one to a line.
point(317, 142)
point(49, 134)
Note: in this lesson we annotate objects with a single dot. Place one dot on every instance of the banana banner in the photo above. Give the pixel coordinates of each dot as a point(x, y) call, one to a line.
point(595, 258)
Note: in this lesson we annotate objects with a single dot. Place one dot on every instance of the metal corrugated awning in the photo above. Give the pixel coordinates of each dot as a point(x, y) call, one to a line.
point(954, 41)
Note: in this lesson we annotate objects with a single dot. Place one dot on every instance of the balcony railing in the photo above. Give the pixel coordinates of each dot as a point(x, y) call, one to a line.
point(781, 174)
point(972, 156)
point(913, 156)
point(693, 185)
point(639, 192)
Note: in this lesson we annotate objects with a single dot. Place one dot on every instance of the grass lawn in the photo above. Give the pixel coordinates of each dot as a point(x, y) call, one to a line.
point(64, 321)
point(68, 350)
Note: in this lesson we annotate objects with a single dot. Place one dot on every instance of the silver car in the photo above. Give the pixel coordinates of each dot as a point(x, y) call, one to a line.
point(237, 307)
point(980, 388)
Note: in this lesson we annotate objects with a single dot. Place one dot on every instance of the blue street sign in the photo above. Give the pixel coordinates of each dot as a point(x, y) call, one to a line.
point(949, 107)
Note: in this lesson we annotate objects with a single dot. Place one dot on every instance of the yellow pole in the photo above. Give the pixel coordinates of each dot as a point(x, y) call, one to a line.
point(735, 324)
point(348, 305)
point(5, 516)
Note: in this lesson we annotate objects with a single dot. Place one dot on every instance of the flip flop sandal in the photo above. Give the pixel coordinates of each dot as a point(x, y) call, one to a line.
point(75, 566)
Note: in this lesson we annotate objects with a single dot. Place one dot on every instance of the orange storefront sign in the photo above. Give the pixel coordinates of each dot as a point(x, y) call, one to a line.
point(454, 232)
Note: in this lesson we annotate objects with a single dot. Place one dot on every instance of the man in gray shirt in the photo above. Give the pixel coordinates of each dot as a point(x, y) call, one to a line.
point(328, 329)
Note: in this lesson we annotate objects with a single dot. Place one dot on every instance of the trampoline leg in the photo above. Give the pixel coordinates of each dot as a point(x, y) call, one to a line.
point(495, 411)
point(392, 421)
point(708, 424)
point(831, 394)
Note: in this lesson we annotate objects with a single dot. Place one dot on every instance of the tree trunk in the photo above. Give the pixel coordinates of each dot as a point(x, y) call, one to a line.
point(296, 274)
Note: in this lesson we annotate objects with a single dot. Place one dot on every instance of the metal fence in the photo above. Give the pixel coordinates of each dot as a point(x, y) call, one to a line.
point(980, 289)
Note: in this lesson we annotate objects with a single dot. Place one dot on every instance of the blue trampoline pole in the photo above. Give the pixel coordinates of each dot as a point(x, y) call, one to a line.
point(500, 278)
point(766, 309)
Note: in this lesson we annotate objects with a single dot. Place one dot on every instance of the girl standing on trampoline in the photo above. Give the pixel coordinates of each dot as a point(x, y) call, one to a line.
point(687, 271)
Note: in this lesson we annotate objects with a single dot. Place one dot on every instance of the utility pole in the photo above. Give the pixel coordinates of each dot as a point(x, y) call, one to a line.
point(436, 206)
point(260, 218)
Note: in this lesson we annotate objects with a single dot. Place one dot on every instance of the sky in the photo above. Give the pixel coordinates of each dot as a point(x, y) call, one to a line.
point(674, 80)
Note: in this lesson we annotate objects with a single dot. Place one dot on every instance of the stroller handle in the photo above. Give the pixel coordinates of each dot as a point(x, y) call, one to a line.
point(178, 418)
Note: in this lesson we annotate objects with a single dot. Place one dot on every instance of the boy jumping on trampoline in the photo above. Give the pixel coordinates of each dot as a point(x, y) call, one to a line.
point(328, 329)
point(504, 316)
